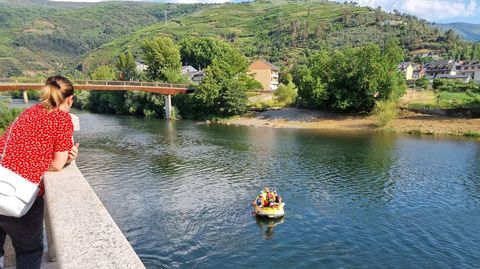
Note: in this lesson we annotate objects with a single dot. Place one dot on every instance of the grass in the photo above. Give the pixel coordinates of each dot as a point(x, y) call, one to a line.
point(472, 134)
point(446, 100)
point(384, 112)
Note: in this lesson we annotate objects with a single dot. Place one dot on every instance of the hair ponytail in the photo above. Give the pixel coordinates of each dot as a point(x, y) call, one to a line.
point(55, 91)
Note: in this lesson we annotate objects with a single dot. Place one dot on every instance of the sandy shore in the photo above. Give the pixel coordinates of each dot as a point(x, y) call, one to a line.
point(407, 122)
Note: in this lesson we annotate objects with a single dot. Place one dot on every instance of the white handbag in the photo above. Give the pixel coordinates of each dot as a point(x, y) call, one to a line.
point(17, 194)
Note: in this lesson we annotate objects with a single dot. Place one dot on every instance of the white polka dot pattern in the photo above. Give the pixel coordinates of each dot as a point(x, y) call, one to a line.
point(34, 138)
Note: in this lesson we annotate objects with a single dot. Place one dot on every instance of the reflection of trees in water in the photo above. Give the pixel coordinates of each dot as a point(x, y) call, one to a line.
point(356, 164)
point(166, 163)
point(267, 226)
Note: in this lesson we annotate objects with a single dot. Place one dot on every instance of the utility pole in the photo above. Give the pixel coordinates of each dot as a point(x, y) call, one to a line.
point(166, 17)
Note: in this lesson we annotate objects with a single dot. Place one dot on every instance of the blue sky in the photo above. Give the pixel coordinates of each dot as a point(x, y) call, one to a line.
point(432, 10)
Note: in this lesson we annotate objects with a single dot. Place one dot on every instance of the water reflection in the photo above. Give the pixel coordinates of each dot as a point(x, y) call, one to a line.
point(472, 185)
point(354, 200)
point(267, 227)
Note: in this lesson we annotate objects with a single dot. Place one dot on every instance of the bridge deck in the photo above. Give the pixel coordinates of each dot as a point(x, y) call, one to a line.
point(95, 85)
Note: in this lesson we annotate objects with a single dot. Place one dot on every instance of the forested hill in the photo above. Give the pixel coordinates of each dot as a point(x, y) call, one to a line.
point(39, 36)
point(51, 36)
point(468, 31)
point(280, 30)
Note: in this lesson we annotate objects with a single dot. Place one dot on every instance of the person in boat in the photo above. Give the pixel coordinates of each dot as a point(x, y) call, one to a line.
point(271, 199)
point(268, 198)
point(278, 199)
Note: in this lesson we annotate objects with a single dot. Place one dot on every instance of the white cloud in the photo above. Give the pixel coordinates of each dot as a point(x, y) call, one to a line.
point(428, 9)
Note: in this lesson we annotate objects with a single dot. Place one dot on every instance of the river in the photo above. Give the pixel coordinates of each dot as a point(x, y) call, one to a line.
point(181, 193)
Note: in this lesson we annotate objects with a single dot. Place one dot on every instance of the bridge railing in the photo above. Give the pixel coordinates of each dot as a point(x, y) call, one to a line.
point(102, 82)
point(22, 80)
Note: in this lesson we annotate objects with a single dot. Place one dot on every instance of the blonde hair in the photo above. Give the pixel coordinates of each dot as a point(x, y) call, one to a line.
point(55, 91)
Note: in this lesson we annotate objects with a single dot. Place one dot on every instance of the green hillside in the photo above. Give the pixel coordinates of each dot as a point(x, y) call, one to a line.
point(469, 31)
point(38, 36)
point(42, 36)
point(279, 30)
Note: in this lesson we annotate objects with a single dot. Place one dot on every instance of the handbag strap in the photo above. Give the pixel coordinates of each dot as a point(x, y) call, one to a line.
point(6, 141)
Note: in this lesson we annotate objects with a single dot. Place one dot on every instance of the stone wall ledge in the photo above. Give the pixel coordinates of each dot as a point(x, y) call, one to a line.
point(80, 231)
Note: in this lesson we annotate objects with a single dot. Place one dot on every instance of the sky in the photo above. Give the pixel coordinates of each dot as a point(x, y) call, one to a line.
point(432, 10)
point(441, 11)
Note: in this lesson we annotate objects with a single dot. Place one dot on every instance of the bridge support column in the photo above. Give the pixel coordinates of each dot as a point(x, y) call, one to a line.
point(25, 97)
point(168, 107)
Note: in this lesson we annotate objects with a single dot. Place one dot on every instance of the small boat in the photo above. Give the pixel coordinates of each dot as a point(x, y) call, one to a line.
point(274, 212)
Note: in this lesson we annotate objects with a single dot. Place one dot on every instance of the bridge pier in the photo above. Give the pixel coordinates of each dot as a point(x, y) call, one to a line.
point(168, 106)
point(25, 97)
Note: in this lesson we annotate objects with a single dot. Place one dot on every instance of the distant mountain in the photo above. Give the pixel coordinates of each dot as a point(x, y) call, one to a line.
point(468, 31)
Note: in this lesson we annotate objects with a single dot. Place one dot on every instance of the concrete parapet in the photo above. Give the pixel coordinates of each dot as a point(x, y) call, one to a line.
point(82, 234)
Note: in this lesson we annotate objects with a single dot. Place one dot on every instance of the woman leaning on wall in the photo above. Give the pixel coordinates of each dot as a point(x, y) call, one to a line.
point(39, 140)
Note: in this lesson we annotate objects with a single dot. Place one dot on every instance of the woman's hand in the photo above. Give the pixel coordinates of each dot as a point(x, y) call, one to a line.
point(73, 153)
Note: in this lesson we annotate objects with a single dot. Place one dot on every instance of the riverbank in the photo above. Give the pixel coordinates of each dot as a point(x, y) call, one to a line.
point(406, 122)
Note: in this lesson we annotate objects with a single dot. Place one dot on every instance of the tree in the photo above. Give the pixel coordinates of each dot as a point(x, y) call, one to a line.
point(451, 36)
point(104, 72)
point(311, 79)
point(200, 52)
point(350, 80)
point(103, 101)
point(127, 67)
point(162, 57)
point(222, 91)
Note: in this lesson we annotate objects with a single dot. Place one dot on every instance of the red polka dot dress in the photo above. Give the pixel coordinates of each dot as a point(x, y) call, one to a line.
point(34, 138)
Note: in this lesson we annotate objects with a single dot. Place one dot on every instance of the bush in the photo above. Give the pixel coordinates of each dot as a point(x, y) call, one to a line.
point(81, 99)
point(263, 105)
point(286, 94)
point(384, 112)
point(451, 85)
point(422, 83)
point(7, 114)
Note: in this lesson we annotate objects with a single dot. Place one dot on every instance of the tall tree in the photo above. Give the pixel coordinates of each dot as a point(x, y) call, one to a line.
point(351, 79)
point(223, 90)
point(162, 57)
point(127, 67)
point(104, 72)
point(200, 52)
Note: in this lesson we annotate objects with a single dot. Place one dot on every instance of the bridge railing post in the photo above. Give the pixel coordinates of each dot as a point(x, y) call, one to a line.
point(25, 97)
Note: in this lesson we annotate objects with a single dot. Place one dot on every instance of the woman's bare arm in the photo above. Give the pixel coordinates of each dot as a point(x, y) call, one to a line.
point(59, 160)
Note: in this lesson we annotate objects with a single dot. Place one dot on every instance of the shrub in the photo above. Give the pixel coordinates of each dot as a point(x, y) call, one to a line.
point(422, 83)
point(7, 114)
point(451, 85)
point(286, 94)
point(384, 112)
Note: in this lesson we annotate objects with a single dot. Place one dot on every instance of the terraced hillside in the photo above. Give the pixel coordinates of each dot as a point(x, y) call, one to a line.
point(38, 36)
point(42, 36)
point(279, 30)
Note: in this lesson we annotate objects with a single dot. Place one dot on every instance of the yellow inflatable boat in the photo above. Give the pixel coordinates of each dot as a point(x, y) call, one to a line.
point(275, 212)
